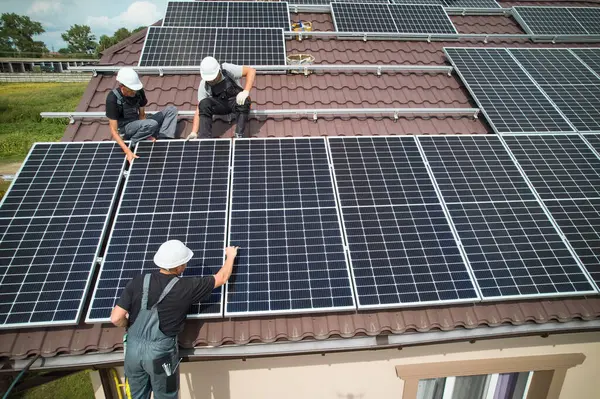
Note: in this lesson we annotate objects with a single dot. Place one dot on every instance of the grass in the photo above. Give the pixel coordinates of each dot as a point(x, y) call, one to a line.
point(75, 386)
point(20, 121)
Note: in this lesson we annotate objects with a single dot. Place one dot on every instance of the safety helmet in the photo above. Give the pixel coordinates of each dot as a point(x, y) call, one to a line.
point(209, 69)
point(129, 78)
point(171, 254)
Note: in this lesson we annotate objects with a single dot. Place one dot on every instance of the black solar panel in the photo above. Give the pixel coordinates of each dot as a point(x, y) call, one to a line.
point(509, 98)
point(52, 222)
point(210, 14)
point(401, 18)
point(401, 246)
point(588, 17)
point(258, 15)
point(515, 251)
point(559, 166)
point(251, 47)
point(472, 4)
point(474, 169)
point(380, 172)
point(548, 21)
point(179, 46)
point(327, 2)
point(579, 221)
point(284, 218)
point(594, 140)
point(421, 19)
point(591, 56)
point(432, 2)
point(175, 190)
point(580, 104)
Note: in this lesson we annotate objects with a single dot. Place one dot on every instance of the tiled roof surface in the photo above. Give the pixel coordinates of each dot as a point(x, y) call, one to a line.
point(338, 90)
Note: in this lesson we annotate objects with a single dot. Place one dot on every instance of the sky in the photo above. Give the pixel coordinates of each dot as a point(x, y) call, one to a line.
point(104, 17)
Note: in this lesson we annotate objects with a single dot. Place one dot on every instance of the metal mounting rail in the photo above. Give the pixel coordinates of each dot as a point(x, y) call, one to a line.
point(314, 113)
point(429, 37)
point(306, 69)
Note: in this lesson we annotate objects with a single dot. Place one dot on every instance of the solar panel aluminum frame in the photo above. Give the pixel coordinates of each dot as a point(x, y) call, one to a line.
point(448, 220)
point(287, 5)
point(342, 236)
point(517, 16)
point(195, 316)
point(98, 248)
point(546, 213)
point(484, 111)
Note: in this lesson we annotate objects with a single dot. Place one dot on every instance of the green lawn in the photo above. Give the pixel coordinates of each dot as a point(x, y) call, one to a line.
point(76, 386)
point(20, 121)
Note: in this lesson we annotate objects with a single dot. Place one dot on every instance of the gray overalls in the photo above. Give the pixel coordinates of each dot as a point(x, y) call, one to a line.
point(148, 349)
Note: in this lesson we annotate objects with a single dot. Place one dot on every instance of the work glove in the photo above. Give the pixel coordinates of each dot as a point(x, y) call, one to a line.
point(192, 136)
point(241, 97)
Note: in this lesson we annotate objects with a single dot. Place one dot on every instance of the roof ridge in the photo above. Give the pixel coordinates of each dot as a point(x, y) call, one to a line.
point(125, 42)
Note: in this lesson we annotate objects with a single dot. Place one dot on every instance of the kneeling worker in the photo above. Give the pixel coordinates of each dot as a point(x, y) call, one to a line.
point(220, 93)
point(127, 116)
point(153, 307)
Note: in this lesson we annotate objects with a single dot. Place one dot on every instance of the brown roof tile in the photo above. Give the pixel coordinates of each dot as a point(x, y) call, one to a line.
point(319, 91)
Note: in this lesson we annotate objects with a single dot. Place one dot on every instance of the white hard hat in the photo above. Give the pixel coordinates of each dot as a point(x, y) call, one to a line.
point(209, 68)
point(171, 254)
point(129, 78)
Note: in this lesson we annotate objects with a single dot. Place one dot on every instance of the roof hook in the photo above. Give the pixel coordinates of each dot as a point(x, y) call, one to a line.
point(464, 12)
point(395, 116)
point(485, 39)
point(71, 119)
point(429, 39)
point(94, 73)
point(476, 115)
point(161, 72)
point(365, 37)
point(379, 70)
point(306, 71)
point(315, 117)
point(554, 39)
point(300, 36)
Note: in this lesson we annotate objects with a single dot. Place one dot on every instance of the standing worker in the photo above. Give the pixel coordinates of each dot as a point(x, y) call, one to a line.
point(127, 116)
point(220, 93)
point(153, 307)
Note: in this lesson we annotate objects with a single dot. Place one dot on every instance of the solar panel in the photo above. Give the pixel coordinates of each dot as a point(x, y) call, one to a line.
point(251, 47)
point(175, 190)
point(432, 2)
point(362, 18)
point(285, 219)
point(421, 19)
point(244, 14)
point(548, 21)
point(594, 141)
point(52, 222)
point(579, 221)
point(401, 18)
point(590, 56)
point(327, 2)
point(182, 46)
point(210, 14)
point(510, 100)
point(474, 169)
point(559, 166)
point(580, 104)
point(402, 249)
point(515, 251)
point(588, 17)
point(472, 4)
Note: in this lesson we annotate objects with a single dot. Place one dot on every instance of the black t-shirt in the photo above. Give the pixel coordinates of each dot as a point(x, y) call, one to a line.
point(173, 309)
point(113, 111)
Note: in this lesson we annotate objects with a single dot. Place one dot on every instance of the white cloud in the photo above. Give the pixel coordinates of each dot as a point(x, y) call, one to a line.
point(44, 7)
point(140, 13)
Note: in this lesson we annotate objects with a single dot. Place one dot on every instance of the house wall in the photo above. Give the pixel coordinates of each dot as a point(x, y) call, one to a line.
point(371, 374)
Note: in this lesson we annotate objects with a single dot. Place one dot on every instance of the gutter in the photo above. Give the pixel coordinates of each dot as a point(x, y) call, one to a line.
point(225, 352)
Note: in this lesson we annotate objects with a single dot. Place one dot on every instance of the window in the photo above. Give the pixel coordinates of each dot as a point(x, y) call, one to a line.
point(501, 378)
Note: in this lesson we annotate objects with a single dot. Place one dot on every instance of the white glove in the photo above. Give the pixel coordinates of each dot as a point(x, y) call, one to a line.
point(192, 136)
point(241, 97)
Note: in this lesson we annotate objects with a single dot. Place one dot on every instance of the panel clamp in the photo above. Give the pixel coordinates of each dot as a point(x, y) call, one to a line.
point(476, 114)
point(99, 260)
point(315, 117)
point(379, 71)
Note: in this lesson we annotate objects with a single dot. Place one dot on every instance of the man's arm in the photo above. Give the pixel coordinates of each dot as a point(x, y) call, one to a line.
point(195, 124)
point(249, 73)
point(115, 135)
point(223, 275)
point(119, 316)
point(142, 113)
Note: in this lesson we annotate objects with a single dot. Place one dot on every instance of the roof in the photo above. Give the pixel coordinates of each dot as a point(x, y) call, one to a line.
point(336, 90)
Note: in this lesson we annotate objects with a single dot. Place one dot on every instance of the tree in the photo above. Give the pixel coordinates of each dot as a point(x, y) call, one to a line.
point(120, 35)
point(139, 28)
point(104, 43)
point(80, 39)
point(16, 35)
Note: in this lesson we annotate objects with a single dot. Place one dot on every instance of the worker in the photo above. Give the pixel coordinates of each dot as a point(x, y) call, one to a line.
point(153, 307)
point(221, 93)
point(125, 110)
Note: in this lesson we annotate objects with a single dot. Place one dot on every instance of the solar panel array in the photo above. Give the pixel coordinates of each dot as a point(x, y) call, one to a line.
point(401, 246)
point(218, 14)
point(284, 217)
point(328, 2)
point(52, 222)
point(558, 20)
point(179, 46)
point(590, 56)
point(175, 190)
point(512, 246)
point(396, 18)
point(565, 172)
point(453, 3)
point(509, 98)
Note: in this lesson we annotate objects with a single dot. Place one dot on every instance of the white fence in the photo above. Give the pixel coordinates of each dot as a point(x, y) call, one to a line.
point(45, 77)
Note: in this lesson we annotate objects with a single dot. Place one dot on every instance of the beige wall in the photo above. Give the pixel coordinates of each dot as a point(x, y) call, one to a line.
point(371, 374)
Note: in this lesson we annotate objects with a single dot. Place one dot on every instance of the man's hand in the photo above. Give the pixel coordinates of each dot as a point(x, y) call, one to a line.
point(241, 97)
point(192, 136)
point(131, 156)
point(231, 252)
